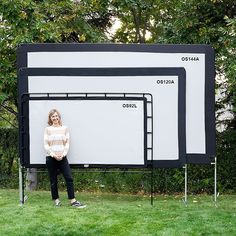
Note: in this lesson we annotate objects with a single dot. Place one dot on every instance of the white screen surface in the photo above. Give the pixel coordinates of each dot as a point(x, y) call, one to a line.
point(165, 101)
point(195, 85)
point(101, 131)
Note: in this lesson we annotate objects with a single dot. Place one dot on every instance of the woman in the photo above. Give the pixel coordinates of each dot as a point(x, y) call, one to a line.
point(56, 143)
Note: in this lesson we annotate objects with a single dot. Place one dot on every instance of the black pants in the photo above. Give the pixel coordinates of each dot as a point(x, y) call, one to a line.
point(53, 166)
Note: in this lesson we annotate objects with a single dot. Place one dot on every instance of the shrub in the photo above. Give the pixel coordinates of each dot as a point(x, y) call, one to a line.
point(200, 177)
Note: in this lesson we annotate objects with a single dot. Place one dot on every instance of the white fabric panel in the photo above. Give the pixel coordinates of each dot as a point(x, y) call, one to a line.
point(101, 131)
point(165, 101)
point(195, 79)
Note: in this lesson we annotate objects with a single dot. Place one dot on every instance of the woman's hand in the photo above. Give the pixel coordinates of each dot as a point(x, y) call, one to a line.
point(58, 157)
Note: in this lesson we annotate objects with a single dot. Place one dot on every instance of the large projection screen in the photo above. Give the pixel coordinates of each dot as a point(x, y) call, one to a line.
point(166, 85)
point(103, 131)
point(198, 61)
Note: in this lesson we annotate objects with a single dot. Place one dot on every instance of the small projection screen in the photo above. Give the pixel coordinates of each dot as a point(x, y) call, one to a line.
point(103, 131)
point(197, 60)
point(164, 89)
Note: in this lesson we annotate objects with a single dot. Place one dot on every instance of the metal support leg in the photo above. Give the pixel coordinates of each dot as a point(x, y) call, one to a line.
point(185, 184)
point(215, 186)
point(215, 180)
point(21, 185)
point(152, 186)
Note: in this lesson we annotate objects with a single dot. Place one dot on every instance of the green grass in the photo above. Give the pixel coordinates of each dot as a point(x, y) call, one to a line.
point(111, 214)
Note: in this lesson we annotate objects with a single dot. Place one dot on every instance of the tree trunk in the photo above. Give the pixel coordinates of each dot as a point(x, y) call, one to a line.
point(31, 179)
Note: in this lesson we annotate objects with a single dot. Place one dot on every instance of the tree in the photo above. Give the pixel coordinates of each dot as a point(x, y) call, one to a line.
point(211, 22)
point(136, 19)
point(227, 69)
point(204, 22)
point(42, 21)
point(27, 21)
point(150, 21)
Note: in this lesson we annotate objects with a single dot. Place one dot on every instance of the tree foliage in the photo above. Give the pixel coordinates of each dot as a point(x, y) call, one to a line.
point(150, 21)
point(136, 19)
point(27, 21)
point(226, 69)
point(208, 22)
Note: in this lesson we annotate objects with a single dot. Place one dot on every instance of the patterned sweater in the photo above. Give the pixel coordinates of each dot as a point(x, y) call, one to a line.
point(56, 140)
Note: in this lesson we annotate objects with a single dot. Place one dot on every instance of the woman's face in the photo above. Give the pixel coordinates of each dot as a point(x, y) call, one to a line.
point(55, 118)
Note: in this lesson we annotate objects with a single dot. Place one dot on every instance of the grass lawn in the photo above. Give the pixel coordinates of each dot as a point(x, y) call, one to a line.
point(111, 214)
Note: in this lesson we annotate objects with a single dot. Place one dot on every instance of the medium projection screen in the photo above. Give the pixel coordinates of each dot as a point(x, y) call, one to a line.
point(166, 86)
point(103, 131)
point(198, 61)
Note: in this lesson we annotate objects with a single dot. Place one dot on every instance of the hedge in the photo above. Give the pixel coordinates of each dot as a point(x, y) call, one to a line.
point(200, 177)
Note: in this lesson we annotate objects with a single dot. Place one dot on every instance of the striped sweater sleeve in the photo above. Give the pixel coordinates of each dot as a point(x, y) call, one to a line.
point(46, 143)
point(66, 142)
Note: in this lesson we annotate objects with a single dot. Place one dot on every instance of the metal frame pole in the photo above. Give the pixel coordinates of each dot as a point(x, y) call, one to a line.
point(215, 180)
point(152, 186)
point(21, 185)
point(185, 184)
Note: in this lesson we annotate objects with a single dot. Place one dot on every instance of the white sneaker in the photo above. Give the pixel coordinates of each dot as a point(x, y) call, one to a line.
point(77, 204)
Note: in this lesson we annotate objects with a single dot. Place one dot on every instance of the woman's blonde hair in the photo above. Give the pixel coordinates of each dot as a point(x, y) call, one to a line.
point(51, 113)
